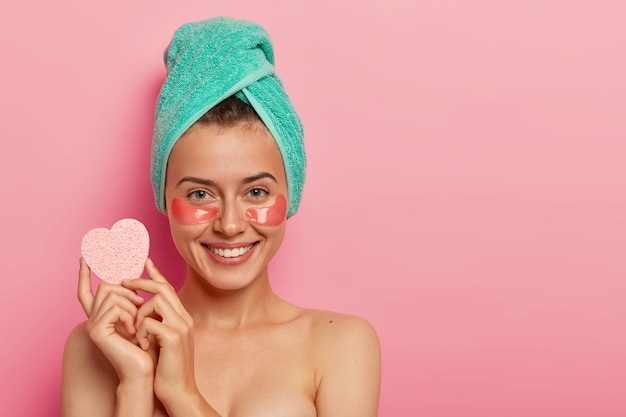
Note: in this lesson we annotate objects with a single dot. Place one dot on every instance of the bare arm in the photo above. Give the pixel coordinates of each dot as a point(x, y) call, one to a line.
point(349, 383)
point(90, 386)
point(105, 373)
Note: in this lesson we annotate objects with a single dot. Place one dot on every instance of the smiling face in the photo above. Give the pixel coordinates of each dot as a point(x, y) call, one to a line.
point(226, 202)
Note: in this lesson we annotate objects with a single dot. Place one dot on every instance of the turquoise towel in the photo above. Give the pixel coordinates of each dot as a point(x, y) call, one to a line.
point(209, 61)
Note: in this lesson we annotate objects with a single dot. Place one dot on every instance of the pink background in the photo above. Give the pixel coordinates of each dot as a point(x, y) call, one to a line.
point(466, 190)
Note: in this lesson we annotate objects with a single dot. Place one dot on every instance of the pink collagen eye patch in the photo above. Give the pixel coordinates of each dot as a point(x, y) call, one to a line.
point(190, 215)
point(117, 254)
point(269, 216)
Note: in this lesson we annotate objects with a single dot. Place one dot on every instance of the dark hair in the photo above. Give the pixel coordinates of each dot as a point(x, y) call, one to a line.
point(230, 112)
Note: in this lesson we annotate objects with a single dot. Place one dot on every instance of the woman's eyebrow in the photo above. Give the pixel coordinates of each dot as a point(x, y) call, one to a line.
point(259, 176)
point(196, 180)
point(211, 183)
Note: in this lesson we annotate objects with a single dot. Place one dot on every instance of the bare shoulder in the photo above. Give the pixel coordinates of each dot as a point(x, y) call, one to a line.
point(348, 364)
point(79, 349)
point(336, 330)
point(78, 338)
point(333, 335)
point(88, 380)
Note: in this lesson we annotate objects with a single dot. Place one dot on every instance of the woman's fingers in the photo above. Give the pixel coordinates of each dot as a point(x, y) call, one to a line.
point(85, 294)
point(144, 332)
point(112, 313)
point(116, 302)
point(107, 331)
point(105, 322)
point(92, 303)
point(159, 286)
point(112, 305)
point(156, 329)
point(153, 272)
point(160, 307)
point(108, 292)
point(164, 308)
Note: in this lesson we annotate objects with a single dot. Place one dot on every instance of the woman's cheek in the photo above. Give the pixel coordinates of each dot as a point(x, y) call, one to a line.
point(190, 215)
point(273, 215)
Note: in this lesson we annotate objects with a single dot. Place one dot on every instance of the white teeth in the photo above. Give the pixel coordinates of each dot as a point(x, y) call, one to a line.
point(230, 253)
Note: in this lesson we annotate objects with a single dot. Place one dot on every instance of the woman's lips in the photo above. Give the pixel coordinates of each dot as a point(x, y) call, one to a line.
point(231, 254)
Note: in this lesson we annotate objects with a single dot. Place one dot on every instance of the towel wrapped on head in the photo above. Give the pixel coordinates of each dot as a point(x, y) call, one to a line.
point(209, 61)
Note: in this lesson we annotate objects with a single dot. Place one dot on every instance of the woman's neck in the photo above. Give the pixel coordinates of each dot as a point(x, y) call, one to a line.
point(230, 309)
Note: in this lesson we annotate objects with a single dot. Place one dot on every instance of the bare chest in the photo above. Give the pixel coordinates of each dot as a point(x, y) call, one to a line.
point(257, 374)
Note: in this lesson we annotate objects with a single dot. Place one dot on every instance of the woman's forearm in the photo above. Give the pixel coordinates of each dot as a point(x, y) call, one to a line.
point(135, 398)
point(192, 405)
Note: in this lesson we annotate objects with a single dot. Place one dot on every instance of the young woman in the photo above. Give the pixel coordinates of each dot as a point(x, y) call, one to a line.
point(228, 168)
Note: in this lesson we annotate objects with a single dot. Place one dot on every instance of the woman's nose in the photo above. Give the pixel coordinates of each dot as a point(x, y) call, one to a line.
point(230, 220)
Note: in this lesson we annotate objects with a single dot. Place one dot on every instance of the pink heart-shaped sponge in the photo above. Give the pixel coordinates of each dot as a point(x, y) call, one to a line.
point(117, 254)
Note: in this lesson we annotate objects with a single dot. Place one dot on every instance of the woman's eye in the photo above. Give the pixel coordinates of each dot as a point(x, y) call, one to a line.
point(199, 195)
point(257, 193)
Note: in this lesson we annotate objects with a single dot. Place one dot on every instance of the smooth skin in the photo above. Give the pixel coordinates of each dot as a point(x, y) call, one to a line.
point(225, 344)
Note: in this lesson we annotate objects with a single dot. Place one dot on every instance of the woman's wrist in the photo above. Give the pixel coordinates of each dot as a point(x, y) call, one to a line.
point(135, 397)
point(189, 404)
